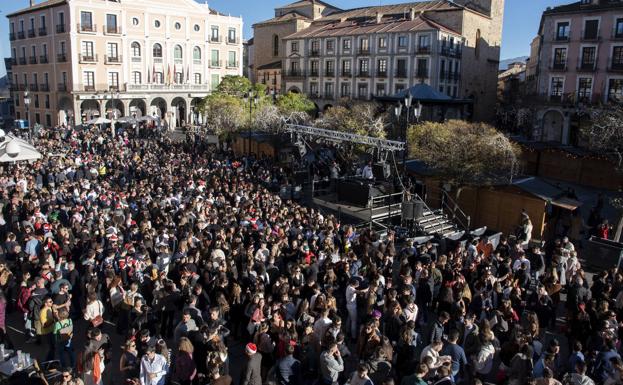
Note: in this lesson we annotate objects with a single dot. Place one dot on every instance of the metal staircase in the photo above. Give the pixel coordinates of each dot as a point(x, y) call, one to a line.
point(449, 221)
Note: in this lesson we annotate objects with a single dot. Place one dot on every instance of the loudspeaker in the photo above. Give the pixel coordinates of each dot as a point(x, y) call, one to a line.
point(381, 171)
point(353, 192)
point(407, 210)
point(418, 210)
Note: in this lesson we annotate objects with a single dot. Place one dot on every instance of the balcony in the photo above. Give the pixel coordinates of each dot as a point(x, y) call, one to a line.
point(451, 52)
point(346, 73)
point(314, 52)
point(13, 61)
point(329, 73)
point(87, 28)
point(363, 51)
point(216, 39)
point(160, 87)
point(61, 58)
point(43, 31)
point(216, 63)
point(112, 59)
point(33, 87)
point(615, 66)
point(314, 72)
point(137, 59)
point(90, 58)
point(12, 36)
point(44, 87)
point(235, 40)
point(61, 87)
point(43, 59)
point(315, 95)
point(423, 49)
point(22, 60)
point(88, 87)
point(590, 35)
point(60, 28)
point(561, 37)
point(329, 95)
point(157, 59)
point(401, 74)
point(381, 74)
point(450, 76)
point(21, 35)
point(587, 66)
point(112, 30)
point(232, 64)
point(32, 60)
point(363, 74)
point(617, 34)
point(558, 66)
point(422, 73)
point(295, 74)
point(31, 33)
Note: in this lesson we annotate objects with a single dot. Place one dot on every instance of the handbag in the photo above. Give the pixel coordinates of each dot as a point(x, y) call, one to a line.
point(97, 321)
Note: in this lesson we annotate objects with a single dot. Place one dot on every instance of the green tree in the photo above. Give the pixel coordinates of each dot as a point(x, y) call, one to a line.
point(223, 113)
point(464, 153)
point(295, 102)
point(234, 85)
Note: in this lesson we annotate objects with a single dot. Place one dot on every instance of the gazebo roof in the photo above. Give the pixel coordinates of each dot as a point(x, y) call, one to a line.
point(426, 94)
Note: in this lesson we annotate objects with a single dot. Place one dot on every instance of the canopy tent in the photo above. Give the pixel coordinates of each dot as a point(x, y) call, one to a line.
point(99, 120)
point(424, 94)
point(13, 149)
point(128, 119)
point(147, 118)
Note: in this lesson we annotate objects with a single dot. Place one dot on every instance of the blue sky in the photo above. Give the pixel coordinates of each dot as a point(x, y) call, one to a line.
point(521, 19)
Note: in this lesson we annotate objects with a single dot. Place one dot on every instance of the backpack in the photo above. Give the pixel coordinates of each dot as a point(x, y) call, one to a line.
point(22, 298)
point(34, 306)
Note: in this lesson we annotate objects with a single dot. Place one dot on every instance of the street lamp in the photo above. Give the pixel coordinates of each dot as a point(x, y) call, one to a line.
point(252, 98)
point(417, 112)
point(27, 104)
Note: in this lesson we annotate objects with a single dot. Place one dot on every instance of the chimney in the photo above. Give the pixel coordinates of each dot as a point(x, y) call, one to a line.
point(32, 3)
point(411, 13)
point(379, 17)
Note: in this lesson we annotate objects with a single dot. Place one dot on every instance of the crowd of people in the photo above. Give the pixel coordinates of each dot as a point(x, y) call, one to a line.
point(186, 254)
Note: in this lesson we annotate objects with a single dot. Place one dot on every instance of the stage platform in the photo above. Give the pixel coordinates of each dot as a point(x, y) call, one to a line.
point(365, 214)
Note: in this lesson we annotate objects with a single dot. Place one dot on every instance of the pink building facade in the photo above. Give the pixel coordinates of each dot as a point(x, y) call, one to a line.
point(580, 63)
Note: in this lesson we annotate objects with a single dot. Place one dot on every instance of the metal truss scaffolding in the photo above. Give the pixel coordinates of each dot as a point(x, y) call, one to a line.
point(341, 137)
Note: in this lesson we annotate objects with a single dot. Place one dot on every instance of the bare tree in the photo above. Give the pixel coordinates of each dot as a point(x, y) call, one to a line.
point(604, 134)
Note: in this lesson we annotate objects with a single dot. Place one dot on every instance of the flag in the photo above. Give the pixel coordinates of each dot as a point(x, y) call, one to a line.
point(182, 77)
point(153, 74)
point(187, 74)
point(174, 74)
point(169, 75)
point(148, 76)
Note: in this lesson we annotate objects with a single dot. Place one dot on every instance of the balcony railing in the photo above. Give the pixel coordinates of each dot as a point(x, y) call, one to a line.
point(423, 49)
point(216, 39)
point(60, 28)
point(314, 52)
point(22, 60)
point(590, 36)
point(137, 59)
point(216, 63)
point(381, 74)
point(558, 66)
point(31, 33)
point(347, 73)
point(401, 74)
point(13, 61)
point(363, 51)
point(451, 52)
point(235, 40)
point(329, 73)
point(231, 64)
point(363, 74)
point(44, 87)
point(157, 87)
point(33, 87)
point(61, 57)
point(587, 66)
point(449, 75)
point(43, 31)
point(32, 60)
point(12, 36)
point(21, 35)
point(112, 30)
point(112, 59)
point(615, 66)
point(43, 59)
point(616, 34)
point(61, 87)
point(296, 73)
point(157, 59)
point(88, 87)
point(328, 95)
point(422, 73)
point(314, 72)
point(91, 58)
point(561, 38)
point(87, 27)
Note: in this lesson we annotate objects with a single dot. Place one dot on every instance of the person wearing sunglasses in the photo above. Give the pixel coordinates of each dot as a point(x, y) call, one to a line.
point(67, 378)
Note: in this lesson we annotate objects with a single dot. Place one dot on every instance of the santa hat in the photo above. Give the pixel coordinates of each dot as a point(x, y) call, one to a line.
point(251, 348)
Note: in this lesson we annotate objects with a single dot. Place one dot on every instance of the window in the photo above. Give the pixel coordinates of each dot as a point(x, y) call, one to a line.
point(159, 76)
point(215, 35)
point(86, 21)
point(588, 57)
point(328, 90)
point(231, 35)
point(42, 22)
point(112, 51)
point(346, 44)
point(315, 47)
point(197, 78)
point(61, 20)
point(46, 78)
point(197, 55)
point(111, 23)
point(345, 90)
point(399, 87)
point(313, 67)
point(556, 88)
point(380, 89)
point(442, 69)
point(424, 41)
point(346, 68)
point(329, 68)
point(21, 25)
point(215, 80)
point(294, 46)
point(48, 117)
point(231, 59)
point(422, 68)
point(62, 48)
point(591, 29)
point(178, 26)
point(364, 45)
point(177, 53)
point(562, 31)
point(135, 21)
point(87, 49)
point(478, 43)
point(382, 42)
point(330, 45)
point(215, 57)
point(381, 67)
point(618, 28)
point(197, 28)
point(615, 90)
point(313, 90)
point(157, 51)
point(113, 80)
point(362, 90)
point(157, 23)
point(617, 57)
point(136, 77)
point(364, 67)
point(12, 27)
point(585, 86)
point(136, 49)
point(178, 78)
point(88, 77)
point(560, 58)
point(402, 42)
